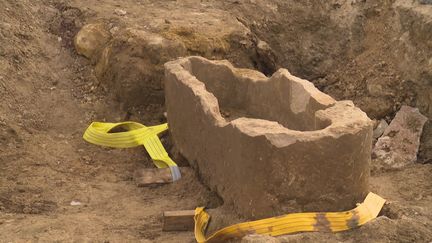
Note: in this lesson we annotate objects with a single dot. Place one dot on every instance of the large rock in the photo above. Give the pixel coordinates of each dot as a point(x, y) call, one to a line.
point(400, 142)
point(91, 40)
point(282, 146)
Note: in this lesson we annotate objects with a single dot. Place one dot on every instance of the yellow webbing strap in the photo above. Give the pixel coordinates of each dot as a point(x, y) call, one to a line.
point(292, 223)
point(136, 134)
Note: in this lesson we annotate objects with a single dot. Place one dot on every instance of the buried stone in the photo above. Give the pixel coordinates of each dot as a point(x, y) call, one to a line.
point(399, 144)
point(285, 147)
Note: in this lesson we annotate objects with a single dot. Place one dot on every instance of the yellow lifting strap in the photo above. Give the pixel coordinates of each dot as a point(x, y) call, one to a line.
point(292, 223)
point(136, 134)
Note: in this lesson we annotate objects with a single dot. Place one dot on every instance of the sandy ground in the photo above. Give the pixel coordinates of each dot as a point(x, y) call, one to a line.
point(49, 95)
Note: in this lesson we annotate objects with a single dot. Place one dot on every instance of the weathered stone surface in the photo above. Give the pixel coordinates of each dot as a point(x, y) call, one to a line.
point(91, 39)
point(400, 142)
point(285, 146)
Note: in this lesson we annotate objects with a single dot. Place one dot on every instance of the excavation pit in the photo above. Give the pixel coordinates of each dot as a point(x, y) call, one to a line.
point(267, 146)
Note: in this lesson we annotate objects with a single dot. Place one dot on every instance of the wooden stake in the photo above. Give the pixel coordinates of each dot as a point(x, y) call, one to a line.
point(146, 177)
point(182, 220)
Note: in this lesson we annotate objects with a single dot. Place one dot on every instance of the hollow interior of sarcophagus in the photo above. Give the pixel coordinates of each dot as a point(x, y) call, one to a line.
point(248, 93)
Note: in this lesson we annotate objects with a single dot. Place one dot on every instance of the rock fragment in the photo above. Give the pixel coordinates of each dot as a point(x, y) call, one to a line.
point(268, 59)
point(120, 12)
point(379, 130)
point(400, 142)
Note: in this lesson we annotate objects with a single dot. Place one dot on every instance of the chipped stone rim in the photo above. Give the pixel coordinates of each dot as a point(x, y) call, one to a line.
point(341, 117)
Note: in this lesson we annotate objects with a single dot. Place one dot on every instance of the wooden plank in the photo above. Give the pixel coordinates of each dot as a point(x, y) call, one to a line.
point(181, 220)
point(146, 177)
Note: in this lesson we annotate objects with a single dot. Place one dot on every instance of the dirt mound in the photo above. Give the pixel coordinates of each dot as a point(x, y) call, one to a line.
point(130, 60)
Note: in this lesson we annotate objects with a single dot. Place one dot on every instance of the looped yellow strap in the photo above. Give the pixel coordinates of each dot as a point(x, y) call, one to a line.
point(136, 134)
point(292, 223)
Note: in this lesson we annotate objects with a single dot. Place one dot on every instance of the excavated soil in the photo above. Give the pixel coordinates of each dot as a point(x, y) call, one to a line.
point(376, 53)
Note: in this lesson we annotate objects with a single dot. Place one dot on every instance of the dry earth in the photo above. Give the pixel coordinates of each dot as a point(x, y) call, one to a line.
point(375, 53)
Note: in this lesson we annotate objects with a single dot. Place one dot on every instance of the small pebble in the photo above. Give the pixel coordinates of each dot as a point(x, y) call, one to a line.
point(75, 203)
point(120, 12)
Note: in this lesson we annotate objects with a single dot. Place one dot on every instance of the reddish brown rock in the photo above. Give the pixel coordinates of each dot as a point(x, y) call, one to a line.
point(400, 142)
point(285, 146)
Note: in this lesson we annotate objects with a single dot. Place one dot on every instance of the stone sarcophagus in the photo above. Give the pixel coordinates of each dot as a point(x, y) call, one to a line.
point(267, 146)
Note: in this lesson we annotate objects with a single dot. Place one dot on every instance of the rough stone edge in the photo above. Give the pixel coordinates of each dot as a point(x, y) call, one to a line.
point(273, 131)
